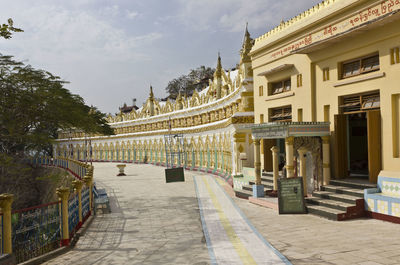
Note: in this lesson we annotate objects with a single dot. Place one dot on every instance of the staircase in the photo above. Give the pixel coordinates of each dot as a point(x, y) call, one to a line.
point(338, 201)
point(266, 180)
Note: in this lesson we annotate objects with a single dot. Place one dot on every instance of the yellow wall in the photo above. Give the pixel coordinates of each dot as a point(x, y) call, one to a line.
point(315, 94)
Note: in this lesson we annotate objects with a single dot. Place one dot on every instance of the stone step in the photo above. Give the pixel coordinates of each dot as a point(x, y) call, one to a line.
point(265, 183)
point(329, 213)
point(342, 206)
point(344, 190)
point(350, 184)
point(337, 197)
point(250, 187)
point(244, 194)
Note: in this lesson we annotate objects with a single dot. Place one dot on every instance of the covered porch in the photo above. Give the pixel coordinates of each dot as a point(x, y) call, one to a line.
point(301, 139)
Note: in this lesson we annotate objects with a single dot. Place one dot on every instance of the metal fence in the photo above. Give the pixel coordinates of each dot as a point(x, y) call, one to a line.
point(73, 214)
point(85, 203)
point(35, 230)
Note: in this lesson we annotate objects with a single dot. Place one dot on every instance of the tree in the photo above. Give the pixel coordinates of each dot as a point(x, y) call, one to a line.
point(34, 106)
point(197, 79)
point(7, 29)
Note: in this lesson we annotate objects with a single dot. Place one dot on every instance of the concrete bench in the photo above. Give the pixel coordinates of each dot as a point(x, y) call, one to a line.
point(383, 202)
point(101, 199)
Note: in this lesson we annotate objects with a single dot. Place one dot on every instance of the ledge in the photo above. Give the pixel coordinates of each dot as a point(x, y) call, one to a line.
point(281, 95)
point(276, 69)
point(359, 79)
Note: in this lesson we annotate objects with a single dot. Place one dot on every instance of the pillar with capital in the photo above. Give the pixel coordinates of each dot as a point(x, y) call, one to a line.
point(275, 165)
point(258, 188)
point(326, 160)
point(63, 194)
point(5, 205)
point(303, 170)
point(289, 156)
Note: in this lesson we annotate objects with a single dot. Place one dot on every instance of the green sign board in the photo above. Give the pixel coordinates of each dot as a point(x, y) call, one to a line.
point(291, 196)
point(174, 174)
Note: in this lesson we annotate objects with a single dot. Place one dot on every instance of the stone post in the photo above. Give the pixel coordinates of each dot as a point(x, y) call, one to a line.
point(289, 156)
point(303, 170)
point(63, 194)
point(77, 184)
point(89, 184)
point(326, 160)
point(5, 204)
point(275, 166)
point(258, 189)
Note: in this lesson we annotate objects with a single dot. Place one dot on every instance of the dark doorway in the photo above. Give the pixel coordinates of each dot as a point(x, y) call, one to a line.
point(357, 145)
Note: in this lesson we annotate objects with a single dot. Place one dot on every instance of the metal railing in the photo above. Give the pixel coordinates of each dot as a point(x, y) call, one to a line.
point(35, 230)
point(85, 203)
point(73, 214)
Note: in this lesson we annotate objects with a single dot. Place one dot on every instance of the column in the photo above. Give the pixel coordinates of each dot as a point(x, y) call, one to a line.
point(77, 184)
point(63, 194)
point(289, 156)
point(258, 189)
point(275, 166)
point(5, 204)
point(303, 170)
point(326, 160)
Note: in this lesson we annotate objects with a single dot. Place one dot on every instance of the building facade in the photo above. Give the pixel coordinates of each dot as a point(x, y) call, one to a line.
point(334, 66)
point(213, 123)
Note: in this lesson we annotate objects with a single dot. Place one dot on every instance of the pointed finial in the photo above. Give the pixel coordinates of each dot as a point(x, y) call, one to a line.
point(218, 71)
point(151, 92)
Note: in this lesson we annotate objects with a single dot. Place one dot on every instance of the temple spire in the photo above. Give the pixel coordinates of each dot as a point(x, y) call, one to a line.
point(151, 93)
point(218, 71)
point(246, 46)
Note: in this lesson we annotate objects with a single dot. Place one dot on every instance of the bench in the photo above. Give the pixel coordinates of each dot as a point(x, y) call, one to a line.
point(101, 199)
point(383, 202)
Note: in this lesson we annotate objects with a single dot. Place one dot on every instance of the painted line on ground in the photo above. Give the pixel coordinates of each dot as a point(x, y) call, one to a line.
point(205, 230)
point(283, 258)
point(233, 237)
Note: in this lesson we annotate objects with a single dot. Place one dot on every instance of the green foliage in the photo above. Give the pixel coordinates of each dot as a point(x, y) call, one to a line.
point(197, 79)
point(7, 29)
point(34, 106)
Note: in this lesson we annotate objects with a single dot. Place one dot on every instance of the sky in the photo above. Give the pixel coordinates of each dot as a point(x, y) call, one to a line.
point(112, 51)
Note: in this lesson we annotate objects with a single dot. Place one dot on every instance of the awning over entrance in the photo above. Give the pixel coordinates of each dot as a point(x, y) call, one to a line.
point(273, 130)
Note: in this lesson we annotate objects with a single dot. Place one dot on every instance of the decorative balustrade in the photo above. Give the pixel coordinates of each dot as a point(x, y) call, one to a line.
point(73, 214)
point(77, 168)
point(35, 230)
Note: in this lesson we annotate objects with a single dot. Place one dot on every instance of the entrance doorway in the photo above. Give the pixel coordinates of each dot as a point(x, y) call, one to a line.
point(358, 137)
point(357, 145)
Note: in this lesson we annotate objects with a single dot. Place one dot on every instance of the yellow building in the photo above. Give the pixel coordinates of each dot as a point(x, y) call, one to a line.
point(337, 62)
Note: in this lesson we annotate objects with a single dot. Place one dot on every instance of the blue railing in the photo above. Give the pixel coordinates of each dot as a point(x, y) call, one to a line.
point(73, 214)
point(35, 231)
point(85, 203)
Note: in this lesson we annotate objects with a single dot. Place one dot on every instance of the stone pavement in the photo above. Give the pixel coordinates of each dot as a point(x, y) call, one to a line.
point(157, 223)
point(308, 239)
point(151, 222)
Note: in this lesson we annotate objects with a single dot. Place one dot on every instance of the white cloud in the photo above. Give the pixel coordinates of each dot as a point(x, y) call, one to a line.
point(131, 14)
point(231, 15)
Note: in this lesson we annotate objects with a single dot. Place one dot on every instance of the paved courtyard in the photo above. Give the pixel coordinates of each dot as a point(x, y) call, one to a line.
point(157, 223)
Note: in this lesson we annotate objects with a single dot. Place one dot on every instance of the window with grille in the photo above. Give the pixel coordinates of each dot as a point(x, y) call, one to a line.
point(280, 86)
point(360, 66)
point(325, 73)
point(360, 103)
point(282, 114)
point(394, 55)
